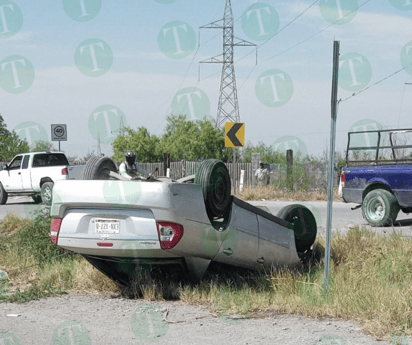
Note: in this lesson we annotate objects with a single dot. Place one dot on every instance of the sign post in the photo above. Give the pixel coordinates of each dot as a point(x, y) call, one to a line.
point(234, 138)
point(59, 133)
point(334, 110)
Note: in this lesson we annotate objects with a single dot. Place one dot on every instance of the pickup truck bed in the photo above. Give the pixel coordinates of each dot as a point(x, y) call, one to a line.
point(382, 185)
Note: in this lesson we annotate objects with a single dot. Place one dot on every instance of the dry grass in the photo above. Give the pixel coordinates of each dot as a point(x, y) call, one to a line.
point(12, 224)
point(271, 193)
point(76, 275)
point(371, 282)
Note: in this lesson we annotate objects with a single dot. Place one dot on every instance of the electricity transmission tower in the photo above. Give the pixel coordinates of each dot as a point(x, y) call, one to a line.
point(99, 149)
point(122, 128)
point(228, 109)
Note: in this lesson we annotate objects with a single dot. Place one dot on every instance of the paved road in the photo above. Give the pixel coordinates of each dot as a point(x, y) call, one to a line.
point(343, 217)
point(23, 207)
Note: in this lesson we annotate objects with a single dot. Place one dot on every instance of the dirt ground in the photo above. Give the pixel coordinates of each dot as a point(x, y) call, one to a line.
point(83, 320)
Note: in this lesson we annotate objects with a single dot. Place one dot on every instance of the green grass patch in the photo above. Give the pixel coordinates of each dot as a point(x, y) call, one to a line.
point(37, 268)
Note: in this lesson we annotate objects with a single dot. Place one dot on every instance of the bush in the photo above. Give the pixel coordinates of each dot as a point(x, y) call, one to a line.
point(34, 239)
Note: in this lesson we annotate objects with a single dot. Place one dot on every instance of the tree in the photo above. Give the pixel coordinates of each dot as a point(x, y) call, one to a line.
point(10, 143)
point(269, 156)
point(193, 140)
point(183, 139)
point(145, 145)
point(42, 146)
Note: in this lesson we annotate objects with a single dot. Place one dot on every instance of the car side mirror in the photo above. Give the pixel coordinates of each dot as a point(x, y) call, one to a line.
point(4, 167)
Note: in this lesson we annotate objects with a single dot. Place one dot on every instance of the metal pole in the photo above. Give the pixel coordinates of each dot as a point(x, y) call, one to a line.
point(59, 145)
point(331, 174)
point(234, 168)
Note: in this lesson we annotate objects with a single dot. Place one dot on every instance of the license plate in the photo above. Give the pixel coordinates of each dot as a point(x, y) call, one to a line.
point(107, 226)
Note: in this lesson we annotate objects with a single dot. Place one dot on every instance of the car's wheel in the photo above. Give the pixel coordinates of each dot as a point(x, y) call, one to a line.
point(304, 225)
point(89, 165)
point(36, 198)
point(214, 178)
point(99, 169)
point(3, 195)
point(47, 193)
point(380, 207)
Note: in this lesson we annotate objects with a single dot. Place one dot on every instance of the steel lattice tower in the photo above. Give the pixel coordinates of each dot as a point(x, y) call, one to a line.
point(228, 109)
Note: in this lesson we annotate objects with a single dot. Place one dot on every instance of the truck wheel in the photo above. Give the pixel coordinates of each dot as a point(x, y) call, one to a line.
point(3, 195)
point(380, 208)
point(98, 169)
point(304, 225)
point(47, 193)
point(36, 199)
point(214, 179)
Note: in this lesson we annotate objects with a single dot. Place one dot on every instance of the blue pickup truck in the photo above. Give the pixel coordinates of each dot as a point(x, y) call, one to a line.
point(378, 174)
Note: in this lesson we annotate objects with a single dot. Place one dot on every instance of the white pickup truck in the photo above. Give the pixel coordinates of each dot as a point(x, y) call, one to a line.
point(33, 174)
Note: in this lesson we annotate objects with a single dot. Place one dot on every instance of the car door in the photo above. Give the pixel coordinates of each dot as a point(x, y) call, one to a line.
point(276, 242)
point(239, 241)
point(13, 181)
point(25, 173)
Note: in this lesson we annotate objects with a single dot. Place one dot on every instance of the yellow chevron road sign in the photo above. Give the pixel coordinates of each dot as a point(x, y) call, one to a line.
point(234, 134)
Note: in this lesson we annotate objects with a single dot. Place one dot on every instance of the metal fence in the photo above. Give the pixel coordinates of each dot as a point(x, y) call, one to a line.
point(316, 174)
point(184, 168)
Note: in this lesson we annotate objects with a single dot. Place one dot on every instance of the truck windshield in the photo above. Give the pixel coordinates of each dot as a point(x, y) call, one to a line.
point(49, 159)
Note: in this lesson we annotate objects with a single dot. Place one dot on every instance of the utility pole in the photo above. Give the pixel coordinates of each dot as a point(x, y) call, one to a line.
point(331, 174)
point(228, 109)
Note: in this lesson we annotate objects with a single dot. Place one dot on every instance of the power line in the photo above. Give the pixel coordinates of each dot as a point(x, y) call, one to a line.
point(305, 40)
point(315, 34)
point(380, 81)
point(235, 22)
point(403, 94)
point(265, 43)
point(190, 65)
point(183, 80)
point(273, 37)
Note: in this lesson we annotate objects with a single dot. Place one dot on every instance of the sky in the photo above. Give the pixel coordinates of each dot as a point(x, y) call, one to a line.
point(95, 65)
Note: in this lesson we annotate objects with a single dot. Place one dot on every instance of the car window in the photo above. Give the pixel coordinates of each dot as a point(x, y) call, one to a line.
point(15, 164)
point(25, 162)
point(49, 159)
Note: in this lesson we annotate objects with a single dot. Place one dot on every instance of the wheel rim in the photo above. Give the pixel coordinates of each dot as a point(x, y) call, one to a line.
point(47, 195)
point(375, 209)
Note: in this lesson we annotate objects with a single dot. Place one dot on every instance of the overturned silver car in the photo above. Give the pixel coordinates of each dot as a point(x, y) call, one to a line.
point(122, 225)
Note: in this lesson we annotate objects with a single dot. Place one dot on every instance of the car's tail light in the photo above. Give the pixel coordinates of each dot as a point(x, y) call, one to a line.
point(65, 171)
point(55, 229)
point(342, 180)
point(105, 244)
point(169, 234)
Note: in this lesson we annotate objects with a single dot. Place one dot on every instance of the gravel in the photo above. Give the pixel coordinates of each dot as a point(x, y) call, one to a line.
point(81, 319)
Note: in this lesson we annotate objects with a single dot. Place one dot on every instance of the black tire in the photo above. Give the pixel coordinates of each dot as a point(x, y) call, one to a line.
point(47, 193)
point(380, 208)
point(99, 169)
point(304, 225)
point(89, 165)
point(37, 198)
point(213, 176)
point(3, 195)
